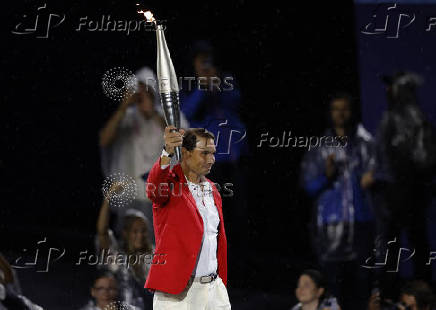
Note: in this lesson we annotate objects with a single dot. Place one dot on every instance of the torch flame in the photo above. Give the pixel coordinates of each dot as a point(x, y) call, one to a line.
point(148, 16)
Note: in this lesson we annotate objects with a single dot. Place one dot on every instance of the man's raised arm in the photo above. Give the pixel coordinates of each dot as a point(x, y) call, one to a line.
point(159, 178)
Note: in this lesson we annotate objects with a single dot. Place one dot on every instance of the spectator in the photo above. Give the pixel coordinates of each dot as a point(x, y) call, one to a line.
point(214, 104)
point(405, 166)
point(135, 242)
point(312, 293)
point(337, 176)
point(132, 138)
point(10, 291)
point(415, 295)
point(104, 291)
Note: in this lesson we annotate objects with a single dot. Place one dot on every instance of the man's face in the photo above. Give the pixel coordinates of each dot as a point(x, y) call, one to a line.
point(201, 159)
point(340, 112)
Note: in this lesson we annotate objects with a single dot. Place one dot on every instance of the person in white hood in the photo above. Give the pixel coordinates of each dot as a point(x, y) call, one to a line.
point(131, 139)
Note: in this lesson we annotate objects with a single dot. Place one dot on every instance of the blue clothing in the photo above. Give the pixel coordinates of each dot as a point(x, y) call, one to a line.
point(217, 111)
point(341, 202)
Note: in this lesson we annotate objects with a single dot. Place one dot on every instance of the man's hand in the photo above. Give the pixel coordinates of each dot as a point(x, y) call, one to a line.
point(173, 138)
point(330, 170)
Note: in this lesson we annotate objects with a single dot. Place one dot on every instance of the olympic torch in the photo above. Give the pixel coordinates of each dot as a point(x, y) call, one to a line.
point(167, 79)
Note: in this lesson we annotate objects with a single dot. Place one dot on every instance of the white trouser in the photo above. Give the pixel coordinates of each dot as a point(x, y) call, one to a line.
point(196, 296)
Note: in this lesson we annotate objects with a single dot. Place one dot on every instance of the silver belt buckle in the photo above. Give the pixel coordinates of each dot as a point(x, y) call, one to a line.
point(208, 279)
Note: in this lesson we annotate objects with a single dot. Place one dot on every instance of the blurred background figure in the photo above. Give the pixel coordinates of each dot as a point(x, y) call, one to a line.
point(104, 291)
point(213, 102)
point(415, 295)
point(135, 242)
point(11, 297)
point(405, 167)
point(338, 177)
point(312, 292)
point(131, 139)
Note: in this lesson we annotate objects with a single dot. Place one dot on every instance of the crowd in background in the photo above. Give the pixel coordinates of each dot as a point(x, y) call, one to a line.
point(131, 141)
point(369, 194)
point(365, 194)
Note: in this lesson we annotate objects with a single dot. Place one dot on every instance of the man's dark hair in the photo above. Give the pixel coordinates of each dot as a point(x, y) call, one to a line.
point(190, 137)
point(421, 291)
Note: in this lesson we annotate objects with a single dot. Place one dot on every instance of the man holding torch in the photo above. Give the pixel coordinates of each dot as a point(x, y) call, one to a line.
point(187, 208)
point(189, 226)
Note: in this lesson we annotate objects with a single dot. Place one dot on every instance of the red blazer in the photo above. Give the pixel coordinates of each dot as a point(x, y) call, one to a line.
point(178, 228)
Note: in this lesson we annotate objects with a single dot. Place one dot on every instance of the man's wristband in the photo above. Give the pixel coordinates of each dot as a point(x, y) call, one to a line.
point(165, 153)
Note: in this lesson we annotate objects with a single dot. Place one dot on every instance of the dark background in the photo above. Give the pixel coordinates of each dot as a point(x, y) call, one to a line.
point(286, 58)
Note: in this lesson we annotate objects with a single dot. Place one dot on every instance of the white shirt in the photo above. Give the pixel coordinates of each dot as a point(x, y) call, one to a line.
point(207, 261)
point(203, 195)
